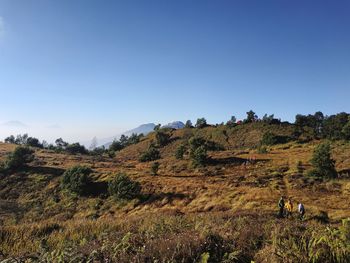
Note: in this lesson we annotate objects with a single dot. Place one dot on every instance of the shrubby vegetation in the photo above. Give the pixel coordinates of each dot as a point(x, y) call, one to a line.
point(151, 154)
point(155, 168)
point(270, 138)
point(17, 159)
point(162, 138)
point(188, 124)
point(125, 141)
point(201, 123)
point(251, 117)
point(232, 122)
point(319, 126)
point(324, 165)
point(180, 151)
point(77, 180)
point(122, 187)
point(24, 140)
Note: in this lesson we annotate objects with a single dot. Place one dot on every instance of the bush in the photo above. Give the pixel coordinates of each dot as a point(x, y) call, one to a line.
point(251, 117)
point(180, 151)
point(10, 139)
point(188, 124)
point(76, 148)
point(155, 168)
point(199, 156)
point(33, 142)
point(19, 158)
point(269, 138)
point(162, 138)
point(77, 180)
point(346, 130)
point(122, 187)
point(324, 165)
point(151, 154)
point(262, 150)
point(201, 123)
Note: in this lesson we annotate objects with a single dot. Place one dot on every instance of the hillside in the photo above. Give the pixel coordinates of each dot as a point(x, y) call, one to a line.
point(228, 200)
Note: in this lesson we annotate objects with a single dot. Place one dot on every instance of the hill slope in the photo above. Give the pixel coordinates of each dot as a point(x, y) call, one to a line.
point(182, 200)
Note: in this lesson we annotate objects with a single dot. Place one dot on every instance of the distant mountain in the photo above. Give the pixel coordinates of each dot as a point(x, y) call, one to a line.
point(174, 125)
point(144, 129)
point(14, 124)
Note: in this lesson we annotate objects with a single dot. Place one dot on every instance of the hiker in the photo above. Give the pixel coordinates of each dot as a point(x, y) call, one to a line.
point(281, 207)
point(289, 207)
point(301, 210)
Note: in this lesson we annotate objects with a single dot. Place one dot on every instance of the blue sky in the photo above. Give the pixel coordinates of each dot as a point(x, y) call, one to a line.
point(87, 68)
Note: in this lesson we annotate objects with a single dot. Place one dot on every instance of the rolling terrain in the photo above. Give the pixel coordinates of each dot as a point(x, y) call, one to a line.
point(229, 202)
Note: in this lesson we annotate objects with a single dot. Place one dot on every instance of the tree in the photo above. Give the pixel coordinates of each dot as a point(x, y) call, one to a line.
point(188, 124)
point(151, 154)
point(324, 165)
point(155, 168)
point(201, 123)
point(162, 138)
point(268, 118)
point(116, 146)
point(60, 143)
point(76, 148)
point(198, 151)
point(346, 130)
point(124, 140)
point(33, 142)
point(10, 139)
point(21, 139)
point(232, 122)
point(251, 117)
point(199, 156)
point(122, 187)
point(157, 127)
point(77, 180)
point(269, 138)
point(180, 151)
point(19, 158)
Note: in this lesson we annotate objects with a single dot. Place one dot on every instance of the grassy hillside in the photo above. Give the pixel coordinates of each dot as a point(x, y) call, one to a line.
point(225, 210)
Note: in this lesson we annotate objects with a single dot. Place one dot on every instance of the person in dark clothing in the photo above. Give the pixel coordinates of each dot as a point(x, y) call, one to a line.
point(281, 207)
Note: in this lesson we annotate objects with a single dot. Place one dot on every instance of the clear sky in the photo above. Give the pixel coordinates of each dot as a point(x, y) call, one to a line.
point(84, 68)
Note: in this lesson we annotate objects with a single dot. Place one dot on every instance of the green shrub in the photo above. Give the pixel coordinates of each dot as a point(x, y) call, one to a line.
point(151, 154)
point(77, 180)
point(346, 130)
point(76, 148)
point(199, 156)
point(269, 138)
point(324, 165)
point(262, 150)
point(201, 123)
point(180, 151)
point(122, 187)
point(162, 138)
point(155, 168)
point(19, 158)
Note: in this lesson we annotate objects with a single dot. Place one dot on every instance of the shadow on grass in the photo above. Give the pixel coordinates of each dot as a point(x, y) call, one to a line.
point(154, 197)
point(44, 170)
point(234, 161)
point(98, 189)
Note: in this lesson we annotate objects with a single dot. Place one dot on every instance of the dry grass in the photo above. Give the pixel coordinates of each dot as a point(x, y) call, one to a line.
point(179, 208)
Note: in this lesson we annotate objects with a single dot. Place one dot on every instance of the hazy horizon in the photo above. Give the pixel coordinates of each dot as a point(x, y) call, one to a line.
point(79, 69)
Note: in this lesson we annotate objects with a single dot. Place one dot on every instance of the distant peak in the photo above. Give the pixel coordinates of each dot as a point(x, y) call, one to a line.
point(15, 124)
